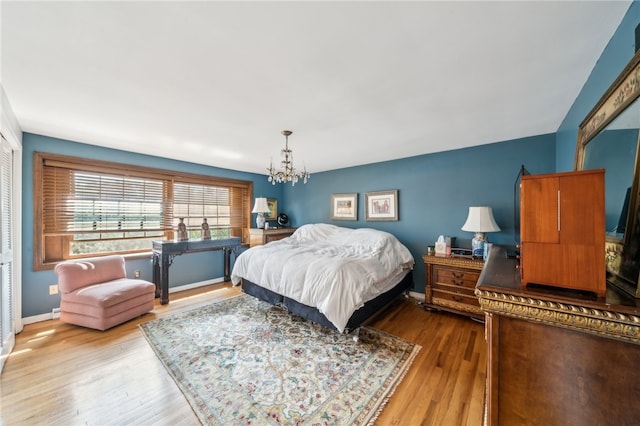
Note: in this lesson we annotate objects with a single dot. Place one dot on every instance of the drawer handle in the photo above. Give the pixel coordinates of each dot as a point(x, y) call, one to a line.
point(457, 298)
point(457, 282)
point(457, 274)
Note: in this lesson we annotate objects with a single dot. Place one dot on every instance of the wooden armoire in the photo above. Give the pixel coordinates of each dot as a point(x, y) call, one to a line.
point(562, 230)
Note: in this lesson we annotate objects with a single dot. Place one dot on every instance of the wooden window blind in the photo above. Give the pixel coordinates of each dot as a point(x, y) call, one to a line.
point(89, 207)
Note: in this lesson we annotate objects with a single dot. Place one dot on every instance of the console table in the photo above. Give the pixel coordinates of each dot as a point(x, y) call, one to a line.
point(557, 357)
point(165, 251)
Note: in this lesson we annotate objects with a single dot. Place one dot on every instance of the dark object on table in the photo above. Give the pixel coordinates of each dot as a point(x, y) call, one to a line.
point(283, 219)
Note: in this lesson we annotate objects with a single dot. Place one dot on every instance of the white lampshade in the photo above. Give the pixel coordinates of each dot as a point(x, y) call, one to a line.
point(480, 219)
point(261, 206)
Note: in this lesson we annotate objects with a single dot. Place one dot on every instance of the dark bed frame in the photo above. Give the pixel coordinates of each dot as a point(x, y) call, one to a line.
point(358, 318)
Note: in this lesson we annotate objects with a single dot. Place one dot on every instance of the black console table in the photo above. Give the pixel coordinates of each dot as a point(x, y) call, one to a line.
point(165, 251)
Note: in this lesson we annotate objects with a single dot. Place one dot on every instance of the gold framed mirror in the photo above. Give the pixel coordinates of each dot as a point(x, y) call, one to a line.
point(608, 138)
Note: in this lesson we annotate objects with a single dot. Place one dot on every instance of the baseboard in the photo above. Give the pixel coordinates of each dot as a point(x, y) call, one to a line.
point(37, 318)
point(418, 296)
point(195, 285)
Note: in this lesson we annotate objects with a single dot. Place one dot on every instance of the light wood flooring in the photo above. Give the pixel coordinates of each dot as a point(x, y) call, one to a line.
point(60, 374)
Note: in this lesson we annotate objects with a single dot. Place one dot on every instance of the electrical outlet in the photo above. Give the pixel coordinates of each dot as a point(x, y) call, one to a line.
point(55, 313)
point(136, 273)
point(53, 289)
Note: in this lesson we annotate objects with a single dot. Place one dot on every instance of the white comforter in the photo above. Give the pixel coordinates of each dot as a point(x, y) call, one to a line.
point(331, 268)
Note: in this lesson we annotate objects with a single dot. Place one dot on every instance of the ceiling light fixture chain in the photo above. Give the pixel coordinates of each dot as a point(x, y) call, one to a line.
point(288, 172)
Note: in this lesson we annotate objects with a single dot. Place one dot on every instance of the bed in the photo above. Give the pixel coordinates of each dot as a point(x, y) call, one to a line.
point(338, 277)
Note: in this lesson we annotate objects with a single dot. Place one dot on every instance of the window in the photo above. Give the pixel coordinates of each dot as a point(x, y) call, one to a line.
point(88, 207)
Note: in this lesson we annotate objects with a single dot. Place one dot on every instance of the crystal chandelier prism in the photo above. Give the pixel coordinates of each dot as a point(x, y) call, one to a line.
point(287, 172)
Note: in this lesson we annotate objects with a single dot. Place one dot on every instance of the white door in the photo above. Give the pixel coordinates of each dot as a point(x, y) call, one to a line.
point(7, 299)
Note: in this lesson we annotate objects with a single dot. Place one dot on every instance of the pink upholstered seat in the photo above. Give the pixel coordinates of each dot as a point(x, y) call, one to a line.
point(96, 293)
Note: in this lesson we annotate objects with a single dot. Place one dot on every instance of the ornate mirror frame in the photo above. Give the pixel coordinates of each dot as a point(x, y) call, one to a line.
point(622, 253)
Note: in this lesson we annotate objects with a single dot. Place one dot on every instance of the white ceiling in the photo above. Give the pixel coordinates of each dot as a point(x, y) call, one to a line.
point(356, 82)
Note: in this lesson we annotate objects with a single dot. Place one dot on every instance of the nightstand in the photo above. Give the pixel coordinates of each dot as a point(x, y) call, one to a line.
point(258, 237)
point(451, 282)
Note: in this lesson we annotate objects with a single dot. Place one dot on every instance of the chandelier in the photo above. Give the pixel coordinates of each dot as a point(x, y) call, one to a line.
point(287, 172)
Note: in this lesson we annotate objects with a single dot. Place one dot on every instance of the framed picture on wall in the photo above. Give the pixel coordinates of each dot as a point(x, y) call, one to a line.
point(273, 209)
point(381, 205)
point(344, 206)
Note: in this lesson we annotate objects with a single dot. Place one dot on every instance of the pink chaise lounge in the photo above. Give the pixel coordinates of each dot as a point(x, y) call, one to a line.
point(96, 292)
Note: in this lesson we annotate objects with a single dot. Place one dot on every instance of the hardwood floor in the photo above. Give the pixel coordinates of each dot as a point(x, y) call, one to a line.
point(63, 374)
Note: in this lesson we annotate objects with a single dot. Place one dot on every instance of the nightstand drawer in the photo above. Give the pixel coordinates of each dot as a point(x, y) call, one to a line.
point(462, 298)
point(455, 277)
point(452, 288)
point(275, 237)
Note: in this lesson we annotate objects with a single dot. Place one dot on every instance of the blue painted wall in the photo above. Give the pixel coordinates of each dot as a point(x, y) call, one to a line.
point(434, 192)
point(614, 58)
point(186, 269)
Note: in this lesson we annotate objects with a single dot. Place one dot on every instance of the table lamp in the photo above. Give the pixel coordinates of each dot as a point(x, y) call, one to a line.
point(479, 221)
point(261, 207)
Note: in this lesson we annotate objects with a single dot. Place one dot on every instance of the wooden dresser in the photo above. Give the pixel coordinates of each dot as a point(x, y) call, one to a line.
point(258, 237)
point(557, 357)
point(450, 284)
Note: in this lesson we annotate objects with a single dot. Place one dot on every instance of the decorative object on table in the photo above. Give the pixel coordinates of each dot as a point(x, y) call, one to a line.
point(381, 205)
point(479, 221)
point(288, 172)
point(283, 219)
point(344, 206)
point(182, 230)
point(261, 207)
point(463, 252)
point(487, 246)
point(441, 245)
point(272, 214)
point(206, 232)
point(242, 360)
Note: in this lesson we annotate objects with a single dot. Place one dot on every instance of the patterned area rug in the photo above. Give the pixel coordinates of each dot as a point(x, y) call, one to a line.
point(242, 361)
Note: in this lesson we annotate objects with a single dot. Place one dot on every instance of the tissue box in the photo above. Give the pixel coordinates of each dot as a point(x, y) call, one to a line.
point(441, 247)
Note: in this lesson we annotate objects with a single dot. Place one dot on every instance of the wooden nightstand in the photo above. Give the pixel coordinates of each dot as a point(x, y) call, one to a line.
point(258, 237)
point(450, 284)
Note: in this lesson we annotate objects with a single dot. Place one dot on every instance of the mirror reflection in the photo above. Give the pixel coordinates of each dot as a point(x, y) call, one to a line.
point(608, 138)
point(614, 149)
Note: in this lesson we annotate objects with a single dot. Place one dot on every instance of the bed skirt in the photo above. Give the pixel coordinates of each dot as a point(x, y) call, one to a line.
point(310, 313)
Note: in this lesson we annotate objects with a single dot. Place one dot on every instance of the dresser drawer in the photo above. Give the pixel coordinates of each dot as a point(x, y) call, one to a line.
point(455, 277)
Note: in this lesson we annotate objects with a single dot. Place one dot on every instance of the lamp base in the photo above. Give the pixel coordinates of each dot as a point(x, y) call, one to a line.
point(477, 244)
point(260, 221)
